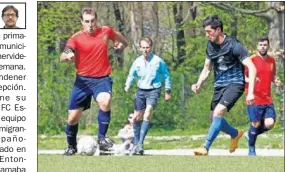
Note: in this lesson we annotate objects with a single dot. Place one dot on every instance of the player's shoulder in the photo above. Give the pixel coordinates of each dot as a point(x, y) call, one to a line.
point(253, 56)
point(105, 27)
point(77, 34)
point(271, 57)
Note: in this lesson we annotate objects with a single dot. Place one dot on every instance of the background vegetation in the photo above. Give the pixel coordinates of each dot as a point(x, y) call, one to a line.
point(179, 39)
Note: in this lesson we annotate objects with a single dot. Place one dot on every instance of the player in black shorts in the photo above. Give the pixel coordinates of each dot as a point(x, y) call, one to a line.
point(228, 58)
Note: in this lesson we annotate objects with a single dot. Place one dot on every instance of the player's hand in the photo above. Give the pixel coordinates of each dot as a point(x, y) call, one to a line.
point(127, 89)
point(277, 82)
point(250, 99)
point(119, 47)
point(195, 88)
point(69, 56)
point(167, 96)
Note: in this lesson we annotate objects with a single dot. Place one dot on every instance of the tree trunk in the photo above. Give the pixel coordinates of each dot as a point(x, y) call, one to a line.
point(136, 14)
point(155, 22)
point(180, 37)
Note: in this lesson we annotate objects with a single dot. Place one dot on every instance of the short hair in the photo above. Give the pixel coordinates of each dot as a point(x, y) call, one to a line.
point(8, 7)
point(263, 38)
point(88, 10)
point(146, 39)
point(214, 21)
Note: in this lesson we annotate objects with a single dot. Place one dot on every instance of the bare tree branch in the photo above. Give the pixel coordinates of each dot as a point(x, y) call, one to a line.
point(259, 13)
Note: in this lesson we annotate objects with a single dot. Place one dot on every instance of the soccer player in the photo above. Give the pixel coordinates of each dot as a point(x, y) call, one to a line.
point(148, 68)
point(261, 114)
point(89, 49)
point(227, 56)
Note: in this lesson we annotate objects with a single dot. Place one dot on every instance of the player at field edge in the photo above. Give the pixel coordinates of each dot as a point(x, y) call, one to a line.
point(261, 114)
point(88, 48)
point(148, 68)
point(228, 57)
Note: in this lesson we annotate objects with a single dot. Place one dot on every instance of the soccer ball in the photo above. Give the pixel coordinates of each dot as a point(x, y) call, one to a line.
point(86, 145)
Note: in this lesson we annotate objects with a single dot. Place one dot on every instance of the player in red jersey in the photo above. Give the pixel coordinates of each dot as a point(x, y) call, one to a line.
point(89, 50)
point(262, 114)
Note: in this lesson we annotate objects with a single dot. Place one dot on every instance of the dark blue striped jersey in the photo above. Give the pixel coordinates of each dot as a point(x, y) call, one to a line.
point(227, 59)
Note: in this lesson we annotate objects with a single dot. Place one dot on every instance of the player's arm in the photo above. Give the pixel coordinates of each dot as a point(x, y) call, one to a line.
point(67, 55)
point(167, 80)
point(203, 75)
point(251, 79)
point(132, 75)
point(275, 79)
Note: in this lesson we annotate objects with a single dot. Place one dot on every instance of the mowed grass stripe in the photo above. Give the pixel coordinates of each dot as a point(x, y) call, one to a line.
point(59, 163)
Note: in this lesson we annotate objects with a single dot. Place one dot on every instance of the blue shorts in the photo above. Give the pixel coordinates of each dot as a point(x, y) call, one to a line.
point(86, 87)
point(146, 97)
point(259, 112)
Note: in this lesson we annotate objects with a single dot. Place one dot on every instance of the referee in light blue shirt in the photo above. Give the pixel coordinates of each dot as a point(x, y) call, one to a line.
point(148, 68)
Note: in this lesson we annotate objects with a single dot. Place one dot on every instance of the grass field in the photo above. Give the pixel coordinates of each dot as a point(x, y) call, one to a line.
point(58, 163)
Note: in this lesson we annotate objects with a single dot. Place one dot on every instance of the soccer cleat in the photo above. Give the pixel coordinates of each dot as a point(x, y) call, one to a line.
point(234, 141)
point(202, 151)
point(251, 151)
point(140, 149)
point(105, 144)
point(133, 150)
point(69, 151)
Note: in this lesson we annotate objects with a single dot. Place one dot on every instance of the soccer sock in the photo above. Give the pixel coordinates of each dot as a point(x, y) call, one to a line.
point(214, 130)
point(137, 128)
point(71, 132)
point(103, 121)
point(252, 135)
point(228, 129)
point(144, 130)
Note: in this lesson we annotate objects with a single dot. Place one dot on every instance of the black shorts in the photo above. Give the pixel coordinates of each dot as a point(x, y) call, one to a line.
point(227, 95)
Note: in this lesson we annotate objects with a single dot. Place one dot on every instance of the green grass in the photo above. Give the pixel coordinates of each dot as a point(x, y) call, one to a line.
point(58, 163)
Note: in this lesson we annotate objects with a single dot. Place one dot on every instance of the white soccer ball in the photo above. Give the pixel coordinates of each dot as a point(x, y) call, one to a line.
point(86, 145)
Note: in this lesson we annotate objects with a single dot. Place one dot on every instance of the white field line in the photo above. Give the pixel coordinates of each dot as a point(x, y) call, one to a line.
point(189, 152)
point(191, 137)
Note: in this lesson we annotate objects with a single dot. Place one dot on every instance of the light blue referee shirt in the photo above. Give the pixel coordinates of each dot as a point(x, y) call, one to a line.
point(149, 73)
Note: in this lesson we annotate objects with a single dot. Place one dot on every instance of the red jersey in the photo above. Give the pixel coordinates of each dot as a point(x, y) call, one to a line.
point(266, 70)
point(91, 52)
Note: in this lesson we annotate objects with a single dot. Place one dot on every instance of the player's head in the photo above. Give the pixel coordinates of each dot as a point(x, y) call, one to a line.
point(213, 27)
point(10, 16)
point(263, 45)
point(145, 46)
point(89, 19)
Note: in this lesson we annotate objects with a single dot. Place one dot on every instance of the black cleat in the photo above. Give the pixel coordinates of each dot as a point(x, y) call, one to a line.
point(105, 144)
point(69, 151)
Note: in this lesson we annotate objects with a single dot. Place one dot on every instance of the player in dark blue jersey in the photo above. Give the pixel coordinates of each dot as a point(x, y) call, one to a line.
point(228, 57)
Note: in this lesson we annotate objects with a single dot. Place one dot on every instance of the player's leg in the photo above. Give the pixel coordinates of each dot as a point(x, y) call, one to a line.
point(137, 123)
point(269, 118)
point(80, 100)
point(218, 92)
point(231, 95)
point(152, 97)
point(102, 93)
point(255, 116)
point(140, 106)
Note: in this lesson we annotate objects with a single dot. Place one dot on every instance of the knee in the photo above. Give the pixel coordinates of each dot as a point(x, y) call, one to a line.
point(148, 113)
point(255, 124)
point(105, 103)
point(73, 117)
point(219, 111)
point(137, 116)
point(269, 123)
